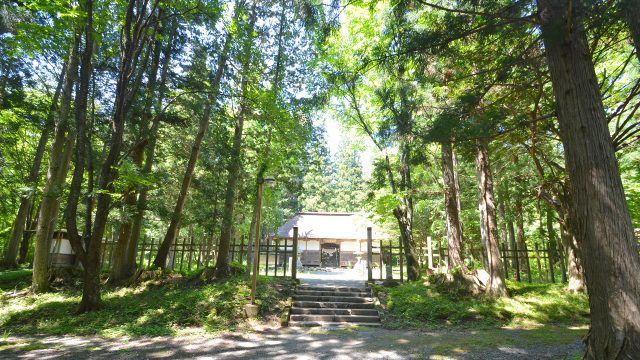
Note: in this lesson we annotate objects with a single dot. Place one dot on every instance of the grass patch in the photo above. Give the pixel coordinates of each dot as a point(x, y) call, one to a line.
point(14, 279)
point(415, 305)
point(154, 308)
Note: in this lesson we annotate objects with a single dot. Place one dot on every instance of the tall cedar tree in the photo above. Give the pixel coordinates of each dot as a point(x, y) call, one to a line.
point(59, 158)
point(609, 250)
point(134, 37)
point(226, 232)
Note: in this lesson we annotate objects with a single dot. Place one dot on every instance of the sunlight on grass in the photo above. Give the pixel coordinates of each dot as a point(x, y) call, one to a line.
point(151, 309)
point(416, 305)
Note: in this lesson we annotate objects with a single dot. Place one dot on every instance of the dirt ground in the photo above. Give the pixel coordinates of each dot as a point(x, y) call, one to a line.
point(290, 343)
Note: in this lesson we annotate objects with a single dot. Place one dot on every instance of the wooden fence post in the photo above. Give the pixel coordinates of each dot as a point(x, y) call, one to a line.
point(294, 261)
point(275, 265)
point(388, 259)
point(505, 261)
point(144, 243)
point(401, 262)
point(175, 251)
point(241, 249)
point(285, 263)
point(538, 262)
point(421, 256)
point(191, 251)
point(526, 251)
point(150, 252)
point(552, 271)
point(369, 254)
point(516, 258)
point(266, 262)
point(429, 252)
point(563, 265)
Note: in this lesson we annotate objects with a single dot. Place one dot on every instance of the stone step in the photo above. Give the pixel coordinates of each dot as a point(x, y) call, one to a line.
point(333, 288)
point(333, 293)
point(332, 298)
point(330, 324)
point(337, 318)
point(333, 311)
point(332, 305)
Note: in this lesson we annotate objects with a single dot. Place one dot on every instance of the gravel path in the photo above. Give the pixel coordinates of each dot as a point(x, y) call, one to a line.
point(292, 343)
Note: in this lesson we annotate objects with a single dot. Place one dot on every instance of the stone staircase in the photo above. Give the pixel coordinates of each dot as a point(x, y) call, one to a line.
point(333, 306)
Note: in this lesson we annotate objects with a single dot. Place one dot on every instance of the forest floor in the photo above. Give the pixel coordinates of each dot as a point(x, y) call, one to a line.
point(174, 317)
point(549, 342)
point(167, 304)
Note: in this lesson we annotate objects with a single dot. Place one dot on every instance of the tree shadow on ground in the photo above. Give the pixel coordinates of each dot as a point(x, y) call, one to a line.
point(543, 343)
point(151, 310)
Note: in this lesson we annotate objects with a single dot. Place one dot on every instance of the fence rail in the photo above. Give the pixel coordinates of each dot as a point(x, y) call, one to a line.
point(188, 255)
point(184, 255)
point(387, 261)
point(547, 264)
point(540, 264)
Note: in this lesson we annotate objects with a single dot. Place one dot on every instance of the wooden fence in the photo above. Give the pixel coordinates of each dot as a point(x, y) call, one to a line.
point(387, 261)
point(276, 257)
point(540, 264)
point(186, 255)
point(387, 258)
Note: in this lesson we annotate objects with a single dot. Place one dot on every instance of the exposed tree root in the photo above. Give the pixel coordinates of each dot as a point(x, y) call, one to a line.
point(460, 283)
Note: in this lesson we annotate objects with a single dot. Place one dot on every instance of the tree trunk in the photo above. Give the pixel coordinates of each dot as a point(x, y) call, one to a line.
point(209, 249)
point(503, 222)
point(630, 10)
point(404, 210)
point(574, 265)
point(226, 229)
point(512, 242)
point(26, 201)
point(141, 205)
point(59, 158)
point(123, 265)
point(88, 212)
point(222, 262)
point(523, 250)
point(278, 69)
point(483, 223)
point(483, 232)
point(82, 96)
point(570, 241)
point(454, 228)
point(552, 235)
point(133, 39)
point(496, 285)
point(32, 222)
point(542, 234)
point(174, 227)
point(124, 254)
point(256, 207)
point(603, 224)
point(404, 214)
point(172, 231)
